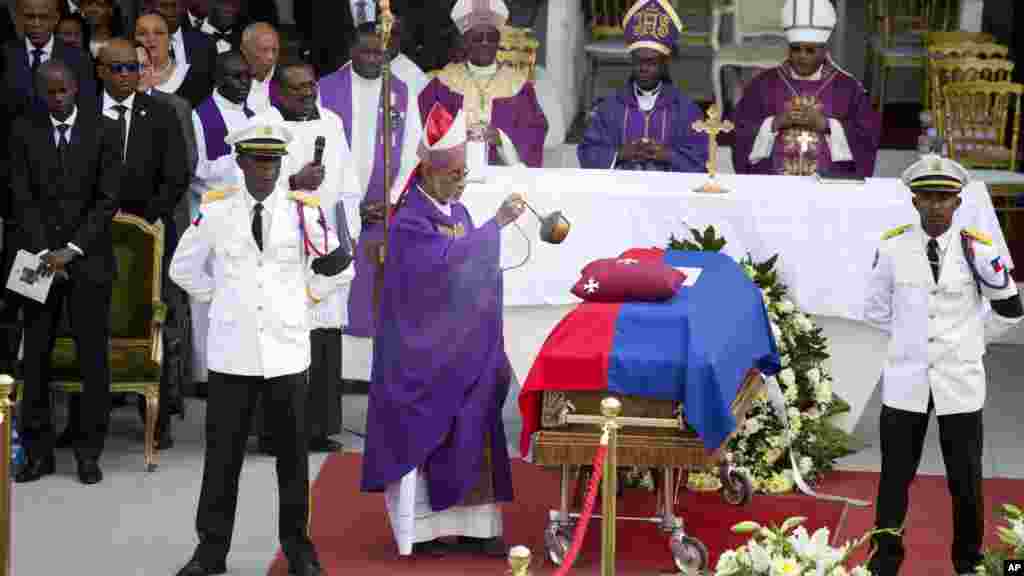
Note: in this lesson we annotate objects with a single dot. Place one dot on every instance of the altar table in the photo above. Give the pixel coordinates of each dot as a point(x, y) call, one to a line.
point(825, 234)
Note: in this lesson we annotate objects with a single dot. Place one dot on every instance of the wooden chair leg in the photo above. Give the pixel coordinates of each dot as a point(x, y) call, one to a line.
point(152, 409)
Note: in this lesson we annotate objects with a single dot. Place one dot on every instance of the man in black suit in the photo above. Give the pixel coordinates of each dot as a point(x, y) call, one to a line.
point(39, 20)
point(57, 165)
point(224, 25)
point(153, 172)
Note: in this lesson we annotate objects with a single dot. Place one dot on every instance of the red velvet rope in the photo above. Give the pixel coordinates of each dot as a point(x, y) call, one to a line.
point(588, 510)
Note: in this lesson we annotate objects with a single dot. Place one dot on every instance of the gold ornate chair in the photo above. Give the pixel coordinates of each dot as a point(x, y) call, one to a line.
point(957, 37)
point(977, 115)
point(137, 318)
point(952, 70)
point(985, 50)
point(900, 38)
point(519, 49)
point(607, 45)
point(6, 414)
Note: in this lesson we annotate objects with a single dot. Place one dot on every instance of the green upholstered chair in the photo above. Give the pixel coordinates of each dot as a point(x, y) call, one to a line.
point(137, 318)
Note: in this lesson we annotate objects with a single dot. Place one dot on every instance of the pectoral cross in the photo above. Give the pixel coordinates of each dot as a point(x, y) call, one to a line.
point(712, 125)
point(805, 139)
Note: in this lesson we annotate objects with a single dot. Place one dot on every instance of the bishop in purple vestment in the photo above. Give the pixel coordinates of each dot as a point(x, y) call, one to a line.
point(435, 441)
point(500, 103)
point(806, 116)
point(648, 125)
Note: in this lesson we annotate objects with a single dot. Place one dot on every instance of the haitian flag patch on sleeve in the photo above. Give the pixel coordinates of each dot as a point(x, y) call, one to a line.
point(997, 265)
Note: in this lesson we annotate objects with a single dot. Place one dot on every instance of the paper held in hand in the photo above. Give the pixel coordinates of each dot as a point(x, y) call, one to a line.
point(25, 280)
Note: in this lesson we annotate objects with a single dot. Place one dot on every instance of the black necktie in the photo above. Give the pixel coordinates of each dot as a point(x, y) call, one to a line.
point(62, 146)
point(122, 128)
point(933, 257)
point(248, 112)
point(257, 225)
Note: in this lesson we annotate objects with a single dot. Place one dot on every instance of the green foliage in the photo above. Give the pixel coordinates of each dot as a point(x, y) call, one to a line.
point(708, 241)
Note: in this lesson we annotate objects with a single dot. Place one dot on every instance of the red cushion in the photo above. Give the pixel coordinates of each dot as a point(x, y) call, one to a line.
point(628, 279)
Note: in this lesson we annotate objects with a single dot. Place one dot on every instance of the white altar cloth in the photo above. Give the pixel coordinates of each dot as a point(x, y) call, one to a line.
point(825, 234)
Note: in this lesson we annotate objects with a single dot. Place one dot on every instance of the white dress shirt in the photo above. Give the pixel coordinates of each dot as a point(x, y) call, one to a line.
point(219, 171)
point(109, 112)
point(46, 54)
point(207, 28)
point(838, 145)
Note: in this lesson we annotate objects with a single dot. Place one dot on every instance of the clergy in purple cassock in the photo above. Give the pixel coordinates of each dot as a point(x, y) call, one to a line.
point(500, 104)
point(353, 93)
point(435, 443)
point(648, 125)
point(806, 116)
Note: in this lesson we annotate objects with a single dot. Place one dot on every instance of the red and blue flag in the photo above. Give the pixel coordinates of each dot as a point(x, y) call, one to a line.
point(696, 348)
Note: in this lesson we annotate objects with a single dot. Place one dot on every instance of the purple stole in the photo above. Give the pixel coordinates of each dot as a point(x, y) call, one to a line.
point(336, 96)
point(215, 130)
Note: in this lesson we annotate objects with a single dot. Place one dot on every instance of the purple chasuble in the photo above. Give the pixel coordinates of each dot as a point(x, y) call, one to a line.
point(838, 95)
point(215, 130)
point(336, 96)
point(520, 117)
point(440, 374)
point(619, 120)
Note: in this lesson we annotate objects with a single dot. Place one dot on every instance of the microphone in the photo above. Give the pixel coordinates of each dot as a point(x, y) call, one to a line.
point(318, 156)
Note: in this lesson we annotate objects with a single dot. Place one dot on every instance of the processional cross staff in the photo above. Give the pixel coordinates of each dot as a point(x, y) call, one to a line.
point(384, 28)
point(712, 125)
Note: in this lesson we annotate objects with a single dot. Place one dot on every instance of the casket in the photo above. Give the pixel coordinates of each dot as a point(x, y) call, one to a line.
point(560, 442)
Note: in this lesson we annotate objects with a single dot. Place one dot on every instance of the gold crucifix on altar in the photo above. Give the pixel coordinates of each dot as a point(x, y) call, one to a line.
point(712, 125)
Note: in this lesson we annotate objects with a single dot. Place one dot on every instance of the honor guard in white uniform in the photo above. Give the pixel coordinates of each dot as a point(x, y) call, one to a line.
point(273, 257)
point(929, 289)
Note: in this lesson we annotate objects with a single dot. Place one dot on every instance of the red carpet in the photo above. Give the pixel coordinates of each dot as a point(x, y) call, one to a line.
point(929, 530)
point(352, 533)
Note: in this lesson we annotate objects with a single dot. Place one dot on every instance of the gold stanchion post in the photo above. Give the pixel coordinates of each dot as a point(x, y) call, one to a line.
point(519, 561)
point(6, 385)
point(610, 409)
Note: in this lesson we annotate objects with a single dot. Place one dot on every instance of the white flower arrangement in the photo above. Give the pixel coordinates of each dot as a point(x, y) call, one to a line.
point(788, 550)
point(760, 446)
point(1012, 537)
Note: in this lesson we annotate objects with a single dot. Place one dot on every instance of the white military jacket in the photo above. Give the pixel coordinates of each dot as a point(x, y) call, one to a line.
point(260, 301)
point(937, 328)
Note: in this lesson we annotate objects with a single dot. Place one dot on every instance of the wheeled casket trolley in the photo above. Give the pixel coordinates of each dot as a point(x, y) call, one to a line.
point(653, 435)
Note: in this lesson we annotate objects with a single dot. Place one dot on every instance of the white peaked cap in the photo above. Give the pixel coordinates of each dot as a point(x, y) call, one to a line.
point(470, 13)
point(808, 21)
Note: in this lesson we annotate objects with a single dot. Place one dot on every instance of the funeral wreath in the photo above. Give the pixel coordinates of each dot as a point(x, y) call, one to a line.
point(760, 446)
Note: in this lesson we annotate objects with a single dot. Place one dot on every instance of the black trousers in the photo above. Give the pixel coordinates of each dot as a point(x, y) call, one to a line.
point(902, 441)
point(323, 410)
point(323, 406)
point(89, 307)
point(229, 408)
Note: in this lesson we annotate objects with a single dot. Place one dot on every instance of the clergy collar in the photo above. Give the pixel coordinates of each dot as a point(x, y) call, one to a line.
point(357, 78)
point(813, 77)
point(70, 120)
point(46, 48)
point(224, 104)
point(445, 209)
point(638, 91)
point(482, 70)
